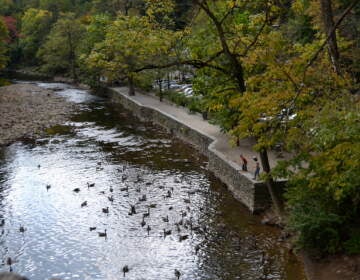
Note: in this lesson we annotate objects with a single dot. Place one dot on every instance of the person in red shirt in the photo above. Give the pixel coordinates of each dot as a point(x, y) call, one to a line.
point(244, 162)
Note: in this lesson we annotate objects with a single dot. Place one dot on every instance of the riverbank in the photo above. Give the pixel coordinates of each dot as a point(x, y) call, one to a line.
point(26, 110)
point(224, 159)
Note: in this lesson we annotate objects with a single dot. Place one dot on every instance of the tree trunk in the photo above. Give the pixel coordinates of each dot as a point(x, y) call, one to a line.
point(328, 22)
point(131, 85)
point(160, 90)
point(275, 196)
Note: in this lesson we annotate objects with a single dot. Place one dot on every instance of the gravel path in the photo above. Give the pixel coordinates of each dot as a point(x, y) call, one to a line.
point(26, 110)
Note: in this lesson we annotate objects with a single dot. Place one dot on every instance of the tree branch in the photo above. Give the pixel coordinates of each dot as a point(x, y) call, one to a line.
point(336, 25)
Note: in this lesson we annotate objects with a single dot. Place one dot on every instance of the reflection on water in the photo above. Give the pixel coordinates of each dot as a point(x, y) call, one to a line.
point(131, 164)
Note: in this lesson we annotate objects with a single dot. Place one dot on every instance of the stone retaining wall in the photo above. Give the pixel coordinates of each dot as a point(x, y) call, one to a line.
point(253, 195)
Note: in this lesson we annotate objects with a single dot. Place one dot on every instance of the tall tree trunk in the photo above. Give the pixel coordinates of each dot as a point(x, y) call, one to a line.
point(131, 85)
point(328, 22)
point(160, 90)
point(274, 193)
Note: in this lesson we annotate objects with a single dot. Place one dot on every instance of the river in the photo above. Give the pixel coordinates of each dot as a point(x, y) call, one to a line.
point(130, 163)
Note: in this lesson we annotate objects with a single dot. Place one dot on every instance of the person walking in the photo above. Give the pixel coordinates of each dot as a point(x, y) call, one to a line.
point(244, 162)
point(257, 169)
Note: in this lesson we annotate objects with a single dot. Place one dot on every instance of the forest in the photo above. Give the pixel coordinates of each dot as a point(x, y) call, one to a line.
point(285, 73)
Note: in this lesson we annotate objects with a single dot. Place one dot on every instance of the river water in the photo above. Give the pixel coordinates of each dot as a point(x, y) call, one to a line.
point(134, 164)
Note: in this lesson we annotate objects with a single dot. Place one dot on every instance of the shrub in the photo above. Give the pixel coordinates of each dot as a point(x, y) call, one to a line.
point(316, 220)
point(352, 245)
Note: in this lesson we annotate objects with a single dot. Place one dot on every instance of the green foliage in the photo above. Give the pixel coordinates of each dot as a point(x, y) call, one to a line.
point(131, 43)
point(6, 6)
point(317, 224)
point(352, 245)
point(325, 194)
point(67, 33)
point(113, 7)
point(177, 98)
point(3, 44)
point(36, 25)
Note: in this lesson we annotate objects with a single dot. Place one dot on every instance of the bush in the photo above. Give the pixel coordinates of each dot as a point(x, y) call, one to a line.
point(194, 105)
point(177, 98)
point(352, 245)
point(318, 224)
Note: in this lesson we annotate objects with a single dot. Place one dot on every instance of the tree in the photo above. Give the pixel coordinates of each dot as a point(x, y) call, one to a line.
point(36, 25)
point(233, 33)
point(6, 7)
point(328, 23)
point(95, 34)
point(67, 33)
point(112, 7)
point(130, 43)
point(3, 44)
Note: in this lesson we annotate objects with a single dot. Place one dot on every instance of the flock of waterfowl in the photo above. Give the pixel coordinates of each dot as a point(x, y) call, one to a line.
point(182, 225)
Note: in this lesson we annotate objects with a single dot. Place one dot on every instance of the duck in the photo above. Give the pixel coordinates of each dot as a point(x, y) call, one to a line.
point(106, 210)
point(125, 189)
point(197, 248)
point(103, 234)
point(39, 166)
point(132, 209)
point(143, 198)
point(48, 187)
point(125, 269)
point(167, 232)
point(76, 190)
point(168, 195)
point(171, 208)
point(111, 198)
point(22, 229)
point(153, 205)
point(177, 274)
point(111, 189)
point(166, 219)
point(9, 262)
point(84, 204)
point(145, 215)
point(90, 185)
point(183, 237)
point(124, 177)
point(143, 223)
point(92, 228)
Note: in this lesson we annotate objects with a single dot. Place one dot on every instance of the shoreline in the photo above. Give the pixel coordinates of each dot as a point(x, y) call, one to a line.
point(28, 110)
